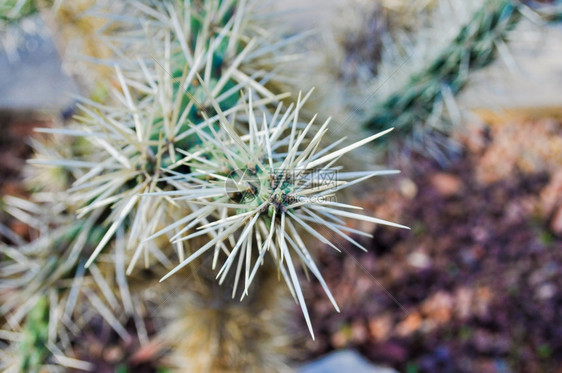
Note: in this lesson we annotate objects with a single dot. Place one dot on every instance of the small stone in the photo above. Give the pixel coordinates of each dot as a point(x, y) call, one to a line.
point(439, 307)
point(546, 291)
point(419, 259)
point(408, 188)
point(343, 361)
point(113, 354)
point(480, 234)
point(380, 327)
point(463, 302)
point(410, 325)
point(446, 184)
point(359, 333)
point(340, 339)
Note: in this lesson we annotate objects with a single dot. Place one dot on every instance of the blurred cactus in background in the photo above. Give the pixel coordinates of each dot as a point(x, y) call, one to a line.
point(417, 109)
point(421, 55)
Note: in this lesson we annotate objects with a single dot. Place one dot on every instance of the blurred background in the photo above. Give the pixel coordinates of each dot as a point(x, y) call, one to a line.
point(476, 285)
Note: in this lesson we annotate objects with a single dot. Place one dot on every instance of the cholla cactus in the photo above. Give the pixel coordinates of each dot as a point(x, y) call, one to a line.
point(46, 289)
point(158, 110)
point(196, 147)
point(209, 331)
point(30, 355)
point(422, 63)
point(14, 9)
point(415, 109)
point(277, 184)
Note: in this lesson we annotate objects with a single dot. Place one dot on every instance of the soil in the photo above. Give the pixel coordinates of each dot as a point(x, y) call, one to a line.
point(14, 150)
point(475, 286)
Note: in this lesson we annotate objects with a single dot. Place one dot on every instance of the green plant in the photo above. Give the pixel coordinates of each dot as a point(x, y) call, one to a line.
point(195, 155)
point(413, 108)
point(425, 62)
point(11, 10)
point(268, 187)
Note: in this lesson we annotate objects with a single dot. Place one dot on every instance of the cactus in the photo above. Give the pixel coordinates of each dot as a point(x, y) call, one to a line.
point(11, 10)
point(34, 344)
point(427, 53)
point(209, 331)
point(195, 157)
point(410, 108)
point(47, 275)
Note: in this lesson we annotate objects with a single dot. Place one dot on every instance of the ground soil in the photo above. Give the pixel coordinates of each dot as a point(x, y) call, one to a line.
point(475, 286)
